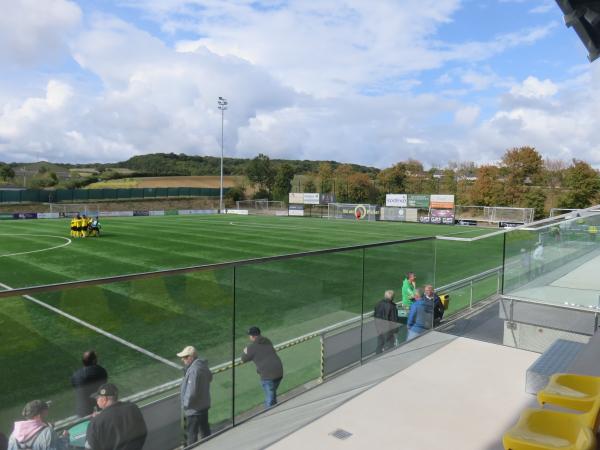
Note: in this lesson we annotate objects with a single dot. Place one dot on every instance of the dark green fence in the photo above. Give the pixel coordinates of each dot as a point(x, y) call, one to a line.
point(86, 195)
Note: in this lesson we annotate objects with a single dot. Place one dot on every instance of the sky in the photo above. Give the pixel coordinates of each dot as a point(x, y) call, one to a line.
point(361, 81)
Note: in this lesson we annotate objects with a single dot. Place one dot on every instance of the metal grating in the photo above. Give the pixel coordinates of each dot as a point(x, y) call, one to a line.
point(340, 434)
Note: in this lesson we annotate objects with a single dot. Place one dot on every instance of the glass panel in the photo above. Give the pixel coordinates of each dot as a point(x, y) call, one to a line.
point(136, 327)
point(457, 260)
point(556, 263)
point(386, 269)
point(290, 301)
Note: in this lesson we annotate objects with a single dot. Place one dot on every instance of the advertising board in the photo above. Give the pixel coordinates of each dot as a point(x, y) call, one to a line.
point(442, 201)
point(296, 198)
point(418, 201)
point(311, 198)
point(397, 200)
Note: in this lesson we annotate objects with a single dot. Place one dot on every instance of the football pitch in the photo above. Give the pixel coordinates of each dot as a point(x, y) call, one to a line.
point(137, 326)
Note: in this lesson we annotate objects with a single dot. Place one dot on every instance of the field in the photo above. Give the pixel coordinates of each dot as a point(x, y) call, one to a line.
point(208, 309)
point(175, 181)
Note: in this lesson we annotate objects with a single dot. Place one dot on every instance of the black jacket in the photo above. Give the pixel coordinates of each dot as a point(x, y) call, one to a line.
point(86, 381)
point(386, 316)
point(119, 427)
point(262, 352)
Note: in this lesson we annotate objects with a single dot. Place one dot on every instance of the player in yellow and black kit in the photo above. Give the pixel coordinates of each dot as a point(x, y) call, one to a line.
point(74, 230)
point(84, 225)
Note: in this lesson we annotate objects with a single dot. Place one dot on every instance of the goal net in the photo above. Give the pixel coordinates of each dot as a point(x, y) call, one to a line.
point(354, 211)
point(263, 207)
point(72, 209)
point(494, 214)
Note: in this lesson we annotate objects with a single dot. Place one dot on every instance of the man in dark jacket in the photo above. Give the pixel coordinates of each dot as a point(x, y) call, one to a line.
point(195, 394)
point(438, 307)
point(386, 322)
point(119, 426)
point(86, 381)
point(268, 364)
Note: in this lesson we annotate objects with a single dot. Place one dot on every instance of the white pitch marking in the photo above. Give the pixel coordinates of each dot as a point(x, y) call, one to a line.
point(68, 241)
point(98, 330)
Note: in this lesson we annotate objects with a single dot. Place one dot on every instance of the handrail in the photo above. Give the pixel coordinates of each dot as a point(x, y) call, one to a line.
point(580, 308)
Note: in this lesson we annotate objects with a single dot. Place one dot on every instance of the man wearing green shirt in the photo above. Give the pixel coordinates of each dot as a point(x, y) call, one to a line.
point(408, 289)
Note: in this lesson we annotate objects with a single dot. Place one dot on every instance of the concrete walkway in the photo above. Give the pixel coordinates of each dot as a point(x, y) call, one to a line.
point(463, 396)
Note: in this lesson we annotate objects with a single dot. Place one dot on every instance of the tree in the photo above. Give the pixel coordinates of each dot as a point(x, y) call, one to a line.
point(342, 187)
point(309, 185)
point(326, 177)
point(487, 189)
point(282, 185)
point(536, 198)
point(583, 183)
point(522, 166)
point(6, 172)
point(261, 173)
point(393, 179)
point(554, 172)
point(448, 183)
point(361, 189)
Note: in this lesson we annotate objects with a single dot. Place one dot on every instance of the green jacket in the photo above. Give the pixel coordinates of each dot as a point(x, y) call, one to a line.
point(408, 292)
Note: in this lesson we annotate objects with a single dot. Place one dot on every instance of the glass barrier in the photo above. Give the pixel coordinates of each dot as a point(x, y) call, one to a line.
point(457, 260)
point(291, 301)
point(387, 269)
point(136, 328)
point(554, 264)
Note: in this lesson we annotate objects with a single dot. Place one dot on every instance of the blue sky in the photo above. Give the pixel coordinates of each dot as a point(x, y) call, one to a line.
point(350, 80)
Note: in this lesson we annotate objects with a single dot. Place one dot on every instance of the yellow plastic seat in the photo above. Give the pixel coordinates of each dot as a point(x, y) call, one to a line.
point(543, 429)
point(578, 392)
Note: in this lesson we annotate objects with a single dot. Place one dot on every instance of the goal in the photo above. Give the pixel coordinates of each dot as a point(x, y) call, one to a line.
point(72, 209)
point(354, 211)
point(263, 207)
point(494, 214)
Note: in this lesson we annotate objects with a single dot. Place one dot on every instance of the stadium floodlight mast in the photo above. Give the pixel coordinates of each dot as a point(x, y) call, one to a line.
point(222, 105)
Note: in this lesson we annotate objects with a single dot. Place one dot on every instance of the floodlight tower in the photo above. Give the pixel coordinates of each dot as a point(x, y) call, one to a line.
point(222, 105)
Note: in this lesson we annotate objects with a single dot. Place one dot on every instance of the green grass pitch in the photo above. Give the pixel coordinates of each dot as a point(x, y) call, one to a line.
point(40, 349)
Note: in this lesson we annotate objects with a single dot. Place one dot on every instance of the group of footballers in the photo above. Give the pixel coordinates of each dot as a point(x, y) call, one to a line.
point(83, 226)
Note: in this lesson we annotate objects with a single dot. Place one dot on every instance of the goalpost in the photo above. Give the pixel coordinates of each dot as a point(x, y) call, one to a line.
point(72, 209)
point(355, 211)
point(494, 214)
point(263, 207)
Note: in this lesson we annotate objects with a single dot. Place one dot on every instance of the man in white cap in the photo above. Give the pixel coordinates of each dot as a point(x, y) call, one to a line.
point(195, 394)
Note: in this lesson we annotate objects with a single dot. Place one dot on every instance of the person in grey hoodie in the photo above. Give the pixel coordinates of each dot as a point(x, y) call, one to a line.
point(35, 433)
point(195, 394)
point(268, 364)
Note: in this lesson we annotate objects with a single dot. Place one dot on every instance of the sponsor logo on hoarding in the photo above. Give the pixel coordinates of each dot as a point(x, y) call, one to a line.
point(442, 213)
point(424, 219)
point(418, 201)
point(6, 217)
point(442, 201)
point(241, 212)
point(399, 200)
point(48, 215)
point(115, 213)
point(185, 212)
point(469, 223)
point(509, 224)
point(156, 213)
point(391, 213)
point(141, 213)
point(311, 198)
point(296, 198)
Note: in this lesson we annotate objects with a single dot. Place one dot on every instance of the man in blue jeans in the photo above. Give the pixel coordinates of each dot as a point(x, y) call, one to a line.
point(268, 364)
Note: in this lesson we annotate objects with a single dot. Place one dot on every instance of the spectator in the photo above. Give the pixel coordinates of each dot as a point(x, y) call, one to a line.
point(386, 321)
point(438, 306)
point(408, 289)
point(118, 426)
point(86, 381)
point(195, 394)
point(268, 364)
point(420, 317)
point(34, 432)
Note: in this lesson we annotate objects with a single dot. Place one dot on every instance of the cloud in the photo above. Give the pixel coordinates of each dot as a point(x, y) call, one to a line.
point(33, 31)
point(534, 88)
point(466, 116)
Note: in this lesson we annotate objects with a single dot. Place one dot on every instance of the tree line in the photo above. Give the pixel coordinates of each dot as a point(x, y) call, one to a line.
point(522, 178)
